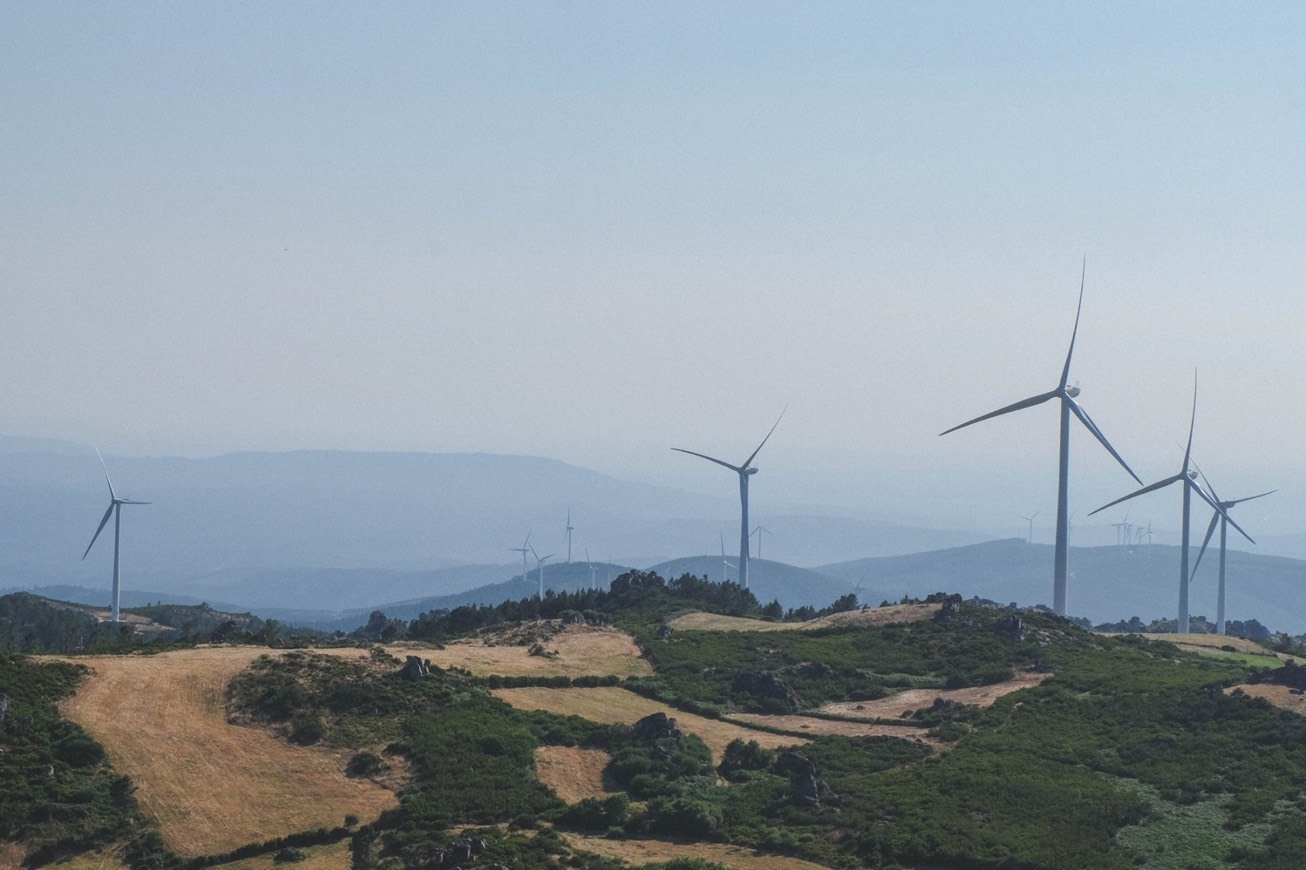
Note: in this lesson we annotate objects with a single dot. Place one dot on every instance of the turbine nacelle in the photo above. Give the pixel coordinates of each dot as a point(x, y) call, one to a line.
point(1072, 392)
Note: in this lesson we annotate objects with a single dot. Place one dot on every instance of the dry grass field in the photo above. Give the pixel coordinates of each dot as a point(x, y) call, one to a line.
point(894, 614)
point(576, 651)
point(894, 706)
point(1211, 644)
point(611, 705)
point(1279, 696)
point(572, 772)
point(647, 851)
point(814, 725)
point(335, 856)
point(210, 785)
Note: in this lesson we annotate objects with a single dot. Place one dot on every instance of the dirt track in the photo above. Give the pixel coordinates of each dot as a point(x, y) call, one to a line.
point(894, 706)
point(894, 614)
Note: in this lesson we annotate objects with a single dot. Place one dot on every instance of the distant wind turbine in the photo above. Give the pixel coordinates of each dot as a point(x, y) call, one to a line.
point(594, 584)
point(1223, 520)
point(115, 508)
point(570, 529)
point(761, 530)
point(744, 471)
point(540, 560)
point(523, 549)
point(1066, 394)
point(1188, 478)
point(725, 566)
point(1030, 519)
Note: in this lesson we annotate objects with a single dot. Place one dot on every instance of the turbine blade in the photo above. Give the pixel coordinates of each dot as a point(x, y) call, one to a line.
point(533, 553)
point(1220, 510)
point(709, 459)
point(129, 501)
point(1065, 371)
point(1018, 406)
point(1188, 451)
point(753, 455)
point(1206, 480)
point(1210, 530)
point(107, 514)
point(1229, 504)
point(1160, 484)
point(112, 495)
point(1097, 433)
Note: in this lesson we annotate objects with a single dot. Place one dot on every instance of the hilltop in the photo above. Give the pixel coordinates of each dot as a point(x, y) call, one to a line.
point(937, 733)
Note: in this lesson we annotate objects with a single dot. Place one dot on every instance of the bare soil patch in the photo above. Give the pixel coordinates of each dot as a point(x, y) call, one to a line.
point(817, 726)
point(211, 785)
point(639, 852)
point(611, 705)
point(1279, 696)
point(894, 706)
point(894, 614)
point(572, 772)
point(573, 651)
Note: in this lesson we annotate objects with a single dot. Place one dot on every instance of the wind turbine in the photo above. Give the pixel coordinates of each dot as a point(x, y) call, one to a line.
point(594, 584)
point(761, 530)
point(570, 529)
point(1066, 394)
point(744, 471)
point(1189, 480)
point(1030, 519)
point(523, 549)
point(115, 508)
point(725, 566)
point(1223, 520)
point(540, 560)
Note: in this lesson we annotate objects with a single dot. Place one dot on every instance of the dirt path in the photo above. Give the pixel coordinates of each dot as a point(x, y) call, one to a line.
point(211, 786)
point(815, 725)
point(611, 705)
point(894, 614)
point(894, 706)
point(640, 852)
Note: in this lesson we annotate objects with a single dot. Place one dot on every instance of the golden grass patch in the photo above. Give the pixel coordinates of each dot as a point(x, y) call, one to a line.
point(894, 706)
point(574, 651)
point(639, 852)
point(1280, 696)
point(572, 772)
point(211, 785)
point(894, 614)
point(611, 705)
point(817, 726)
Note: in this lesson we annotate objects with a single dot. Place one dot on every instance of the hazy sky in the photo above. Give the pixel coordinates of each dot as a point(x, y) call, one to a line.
point(594, 231)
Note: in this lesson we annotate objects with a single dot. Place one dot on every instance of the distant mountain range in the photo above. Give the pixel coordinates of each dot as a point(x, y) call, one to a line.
point(337, 530)
point(1107, 584)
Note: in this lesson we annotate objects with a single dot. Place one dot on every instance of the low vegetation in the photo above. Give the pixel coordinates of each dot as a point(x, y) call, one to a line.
point(1064, 748)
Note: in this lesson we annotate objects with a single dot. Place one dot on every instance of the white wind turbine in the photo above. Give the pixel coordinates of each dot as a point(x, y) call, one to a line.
point(523, 549)
point(725, 566)
point(115, 508)
point(540, 560)
point(744, 471)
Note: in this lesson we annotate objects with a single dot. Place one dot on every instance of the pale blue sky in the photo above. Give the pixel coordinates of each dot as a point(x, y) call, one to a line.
point(592, 231)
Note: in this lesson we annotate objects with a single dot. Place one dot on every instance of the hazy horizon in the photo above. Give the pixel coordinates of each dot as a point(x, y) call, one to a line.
point(594, 232)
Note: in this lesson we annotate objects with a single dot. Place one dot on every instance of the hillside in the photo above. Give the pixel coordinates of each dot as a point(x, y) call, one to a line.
point(769, 581)
point(1107, 583)
point(939, 734)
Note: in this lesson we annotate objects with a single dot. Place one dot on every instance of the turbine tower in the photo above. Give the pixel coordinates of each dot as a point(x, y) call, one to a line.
point(1224, 528)
point(570, 529)
point(725, 566)
point(1188, 478)
point(540, 560)
point(744, 471)
point(115, 508)
point(523, 549)
point(594, 584)
point(1066, 395)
